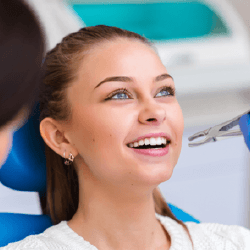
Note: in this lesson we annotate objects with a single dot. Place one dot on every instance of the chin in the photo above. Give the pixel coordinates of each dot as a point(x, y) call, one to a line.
point(157, 176)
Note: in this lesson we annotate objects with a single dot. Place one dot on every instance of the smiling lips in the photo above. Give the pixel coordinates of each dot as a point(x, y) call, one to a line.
point(151, 144)
point(149, 141)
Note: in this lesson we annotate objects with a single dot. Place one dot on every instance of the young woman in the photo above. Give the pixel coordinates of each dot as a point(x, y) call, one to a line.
point(21, 49)
point(113, 132)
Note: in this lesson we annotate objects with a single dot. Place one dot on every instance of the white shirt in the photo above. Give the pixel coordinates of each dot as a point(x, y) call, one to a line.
point(206, 236)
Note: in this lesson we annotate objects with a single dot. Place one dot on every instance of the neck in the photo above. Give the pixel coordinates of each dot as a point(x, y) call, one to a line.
point(118, 220)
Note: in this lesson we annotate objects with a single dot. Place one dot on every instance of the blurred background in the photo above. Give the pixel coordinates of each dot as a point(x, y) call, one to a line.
point(205, 46)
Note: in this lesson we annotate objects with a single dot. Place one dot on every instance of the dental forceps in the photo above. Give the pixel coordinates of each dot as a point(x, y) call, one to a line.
point(218, 132)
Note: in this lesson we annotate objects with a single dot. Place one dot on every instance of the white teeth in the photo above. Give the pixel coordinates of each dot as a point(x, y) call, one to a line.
point(147, 142)
point(141, 142)
point(152, 141)
point(158, 141)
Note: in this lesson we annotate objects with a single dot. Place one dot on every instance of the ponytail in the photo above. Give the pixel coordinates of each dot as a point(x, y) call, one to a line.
point(62, 188)
point(162, 208)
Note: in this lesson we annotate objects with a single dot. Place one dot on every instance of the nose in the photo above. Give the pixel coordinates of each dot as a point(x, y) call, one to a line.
point(152, 113)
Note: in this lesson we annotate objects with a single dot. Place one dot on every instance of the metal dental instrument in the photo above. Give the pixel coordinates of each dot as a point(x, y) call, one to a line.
point(218, 132)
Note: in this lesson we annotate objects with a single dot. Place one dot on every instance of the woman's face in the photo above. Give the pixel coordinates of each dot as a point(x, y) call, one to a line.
point(138, 102)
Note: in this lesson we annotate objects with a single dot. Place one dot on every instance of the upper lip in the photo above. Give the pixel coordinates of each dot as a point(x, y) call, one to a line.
point(155, 135)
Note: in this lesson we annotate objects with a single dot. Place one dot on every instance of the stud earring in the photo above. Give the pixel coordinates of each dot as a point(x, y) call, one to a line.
point(69, 160)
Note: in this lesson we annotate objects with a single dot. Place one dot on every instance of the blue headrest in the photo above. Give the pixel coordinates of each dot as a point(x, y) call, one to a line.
point(25, 167)
point(15, 227)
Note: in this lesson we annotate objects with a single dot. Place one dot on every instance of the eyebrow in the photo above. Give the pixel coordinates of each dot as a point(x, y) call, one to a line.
point(130, 79)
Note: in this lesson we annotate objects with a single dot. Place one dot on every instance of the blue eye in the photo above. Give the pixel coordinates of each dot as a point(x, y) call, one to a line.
point(163, 92)
point(166, 91)
point(120, 96)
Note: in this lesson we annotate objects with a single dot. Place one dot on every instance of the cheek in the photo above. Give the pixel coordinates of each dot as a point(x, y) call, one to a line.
point(6, 138)
point(177, 125)
point(98, 131)
point(100, 140)
point(180, 122)
point(177, 118)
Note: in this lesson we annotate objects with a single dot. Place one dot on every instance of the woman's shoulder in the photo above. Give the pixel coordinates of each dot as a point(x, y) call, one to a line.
point(220, 236)
point(55, 237)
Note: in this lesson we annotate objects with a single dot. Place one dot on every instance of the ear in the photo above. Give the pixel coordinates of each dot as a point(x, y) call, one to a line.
point(54, 136)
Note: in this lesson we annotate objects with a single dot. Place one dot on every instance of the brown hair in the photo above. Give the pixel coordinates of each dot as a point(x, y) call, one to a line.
point(21, 50)
point(60, 69)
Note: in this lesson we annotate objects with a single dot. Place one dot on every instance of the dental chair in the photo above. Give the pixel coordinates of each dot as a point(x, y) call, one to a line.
point(25, 170)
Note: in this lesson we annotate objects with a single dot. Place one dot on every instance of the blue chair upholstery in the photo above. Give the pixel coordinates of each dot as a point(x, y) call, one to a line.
point(181, 215)
point(25, 170)
point(15, 227)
